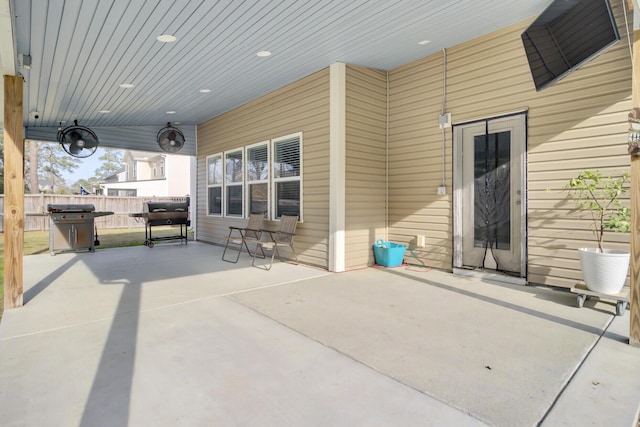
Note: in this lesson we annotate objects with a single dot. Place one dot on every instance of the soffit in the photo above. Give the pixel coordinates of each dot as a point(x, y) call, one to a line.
point(82, 50)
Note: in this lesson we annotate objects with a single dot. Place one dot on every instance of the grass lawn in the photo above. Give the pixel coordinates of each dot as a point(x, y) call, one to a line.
point(37, 242)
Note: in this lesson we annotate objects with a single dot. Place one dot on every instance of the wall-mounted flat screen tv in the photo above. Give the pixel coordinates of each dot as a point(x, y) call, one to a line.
point(566, 35)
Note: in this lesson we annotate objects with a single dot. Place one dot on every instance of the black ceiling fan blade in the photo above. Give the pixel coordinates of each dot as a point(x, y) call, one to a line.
point(90, 140)
point(179, 143)
point(74, 135)
point(84, 137)
point(74, 148)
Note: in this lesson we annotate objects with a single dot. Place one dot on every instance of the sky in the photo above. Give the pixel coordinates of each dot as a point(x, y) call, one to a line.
point(86, 167)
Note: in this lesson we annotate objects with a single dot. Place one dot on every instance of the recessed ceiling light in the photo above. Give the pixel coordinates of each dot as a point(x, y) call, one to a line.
point(166, 38)
point(127, 85)
point(263, 53)
point(205, 90)
point(423, 42)
point(171, 112)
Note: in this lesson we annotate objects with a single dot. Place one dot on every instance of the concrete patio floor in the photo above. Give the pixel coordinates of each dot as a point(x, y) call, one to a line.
point(173, 336)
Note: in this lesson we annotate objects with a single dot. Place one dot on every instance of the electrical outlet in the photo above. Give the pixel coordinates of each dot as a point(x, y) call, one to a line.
point(421, 240)
point(444, 120)
point(442, 190)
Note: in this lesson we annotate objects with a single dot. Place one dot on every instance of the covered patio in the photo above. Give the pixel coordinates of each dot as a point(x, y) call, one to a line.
point(125, 69)
point(174, 336)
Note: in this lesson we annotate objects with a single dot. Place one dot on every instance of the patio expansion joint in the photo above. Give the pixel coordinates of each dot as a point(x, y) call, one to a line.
point(60, 328)
point(360, 362)
point(161, 307)
point(576, 370)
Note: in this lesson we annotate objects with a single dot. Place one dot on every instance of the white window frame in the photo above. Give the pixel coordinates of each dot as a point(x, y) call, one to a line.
point(275, 180)
point(214, 184)
point(261, 180)
point(228, 184)
point(158, 168)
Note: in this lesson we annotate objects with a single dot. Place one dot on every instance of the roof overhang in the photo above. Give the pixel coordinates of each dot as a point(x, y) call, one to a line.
point(123, 137)
point(81, 52)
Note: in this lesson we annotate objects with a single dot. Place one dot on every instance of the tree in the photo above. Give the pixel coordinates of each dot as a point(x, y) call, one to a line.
point(87, 184)
point(111, 163)
point(31, 167)
point(600, 196)
point(52, 162)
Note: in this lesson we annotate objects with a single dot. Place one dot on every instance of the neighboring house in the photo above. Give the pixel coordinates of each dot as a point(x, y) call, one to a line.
point(365, 158)
point(147, 174)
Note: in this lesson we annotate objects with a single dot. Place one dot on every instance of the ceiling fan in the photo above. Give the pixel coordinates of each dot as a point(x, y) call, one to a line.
point(78, 141)
point(170, 139)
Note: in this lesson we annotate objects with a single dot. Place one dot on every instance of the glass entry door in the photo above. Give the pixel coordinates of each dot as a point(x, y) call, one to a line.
point(488, 198)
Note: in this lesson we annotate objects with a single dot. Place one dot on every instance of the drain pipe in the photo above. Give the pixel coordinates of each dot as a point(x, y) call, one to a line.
point(442, 127)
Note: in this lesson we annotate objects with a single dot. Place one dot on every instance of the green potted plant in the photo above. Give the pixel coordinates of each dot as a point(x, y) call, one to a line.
point(603, 270)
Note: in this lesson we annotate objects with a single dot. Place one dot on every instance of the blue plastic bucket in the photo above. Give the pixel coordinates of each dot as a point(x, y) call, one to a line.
point(388, 254)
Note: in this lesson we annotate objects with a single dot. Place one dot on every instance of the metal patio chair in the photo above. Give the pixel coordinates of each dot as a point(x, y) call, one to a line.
point(282, 236)
point(238, 238)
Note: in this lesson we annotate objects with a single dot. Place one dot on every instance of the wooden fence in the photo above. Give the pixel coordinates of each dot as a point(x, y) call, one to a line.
point(37, 219)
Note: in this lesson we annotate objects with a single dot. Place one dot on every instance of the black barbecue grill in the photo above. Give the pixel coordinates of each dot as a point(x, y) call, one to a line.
point(71, 227)
point(164, 213)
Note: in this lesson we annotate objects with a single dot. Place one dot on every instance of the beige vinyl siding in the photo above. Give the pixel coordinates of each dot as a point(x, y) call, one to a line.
point(366, 115)
point(415, 163)
point(300, 107)
point(577, 123)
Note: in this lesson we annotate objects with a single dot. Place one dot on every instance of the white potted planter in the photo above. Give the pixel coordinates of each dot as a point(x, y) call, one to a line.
point(604, 272)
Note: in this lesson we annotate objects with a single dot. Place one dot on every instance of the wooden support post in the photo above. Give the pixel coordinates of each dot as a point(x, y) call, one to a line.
point(634, 327)
point(13, 192)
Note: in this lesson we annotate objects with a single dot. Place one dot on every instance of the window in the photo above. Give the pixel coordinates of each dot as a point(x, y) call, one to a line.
point(233, 182)
point(214, 184)
point(131, 171)
point(261, 178)
point(158, 168)
point(287, 176)
point(122, 192)
point(258, 178)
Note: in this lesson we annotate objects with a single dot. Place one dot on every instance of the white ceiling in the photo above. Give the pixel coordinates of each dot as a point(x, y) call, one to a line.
point(81, 50)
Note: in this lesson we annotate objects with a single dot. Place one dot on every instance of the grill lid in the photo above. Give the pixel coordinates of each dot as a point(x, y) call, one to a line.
point(53, 208)
point(165, 207)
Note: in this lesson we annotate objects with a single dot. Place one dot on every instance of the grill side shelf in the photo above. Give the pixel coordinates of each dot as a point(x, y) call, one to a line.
point(103, 213)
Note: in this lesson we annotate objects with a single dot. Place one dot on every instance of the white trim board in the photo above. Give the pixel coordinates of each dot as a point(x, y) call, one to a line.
point(337, 167)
